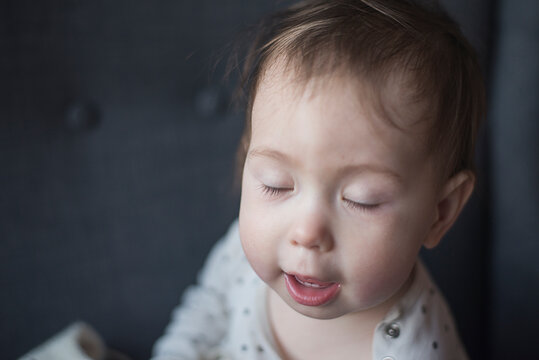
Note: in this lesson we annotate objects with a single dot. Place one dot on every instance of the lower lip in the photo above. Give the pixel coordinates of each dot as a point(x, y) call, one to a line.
point(310, 296)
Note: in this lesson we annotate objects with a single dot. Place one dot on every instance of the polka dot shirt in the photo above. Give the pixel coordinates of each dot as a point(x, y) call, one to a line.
point(223, 317)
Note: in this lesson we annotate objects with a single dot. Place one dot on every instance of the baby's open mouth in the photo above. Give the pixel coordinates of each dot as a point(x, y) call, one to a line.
point(312, 282)
point(310, 292)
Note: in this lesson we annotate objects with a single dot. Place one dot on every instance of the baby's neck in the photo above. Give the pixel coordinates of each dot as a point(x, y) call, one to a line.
point(299, 337)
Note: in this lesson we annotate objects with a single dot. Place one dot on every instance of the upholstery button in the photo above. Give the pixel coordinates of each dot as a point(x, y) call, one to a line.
point(393, 330)
point(81, 116)
point(210, 102)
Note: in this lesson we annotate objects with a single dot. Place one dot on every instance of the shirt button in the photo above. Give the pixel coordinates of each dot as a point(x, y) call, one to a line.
point(392, 330)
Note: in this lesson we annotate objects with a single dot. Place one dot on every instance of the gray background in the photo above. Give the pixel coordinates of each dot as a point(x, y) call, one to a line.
point(117, 166)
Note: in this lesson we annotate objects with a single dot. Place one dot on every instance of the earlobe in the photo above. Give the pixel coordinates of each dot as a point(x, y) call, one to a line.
point(454, 196)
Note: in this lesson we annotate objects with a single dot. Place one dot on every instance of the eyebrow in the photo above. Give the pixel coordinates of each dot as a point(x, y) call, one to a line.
point(351, 168)
point(270, 153)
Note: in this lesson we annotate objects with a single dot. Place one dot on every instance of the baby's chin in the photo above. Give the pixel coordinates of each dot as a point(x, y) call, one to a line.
point(316, 312)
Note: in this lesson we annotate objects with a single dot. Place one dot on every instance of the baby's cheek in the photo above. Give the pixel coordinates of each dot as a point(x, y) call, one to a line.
point(379, 276)
point(371, 287)
point(257, 252)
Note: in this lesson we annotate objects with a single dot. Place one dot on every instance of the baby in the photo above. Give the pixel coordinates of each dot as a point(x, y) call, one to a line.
point(357, 151)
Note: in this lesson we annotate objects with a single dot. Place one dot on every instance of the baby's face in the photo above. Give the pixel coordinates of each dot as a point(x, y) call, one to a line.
point(336, 202)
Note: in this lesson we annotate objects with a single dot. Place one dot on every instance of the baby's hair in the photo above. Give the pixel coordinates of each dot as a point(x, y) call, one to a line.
point(372, 40)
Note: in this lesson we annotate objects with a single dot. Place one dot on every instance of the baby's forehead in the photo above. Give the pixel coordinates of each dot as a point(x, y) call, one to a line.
point(390, 98)
point(386, 107)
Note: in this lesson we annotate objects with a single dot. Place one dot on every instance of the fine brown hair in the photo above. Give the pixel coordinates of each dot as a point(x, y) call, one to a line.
point(373, 39)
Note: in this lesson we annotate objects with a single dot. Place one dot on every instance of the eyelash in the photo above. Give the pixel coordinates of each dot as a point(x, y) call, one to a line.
point(275, 191)
point(272, 191)
point(359, 206)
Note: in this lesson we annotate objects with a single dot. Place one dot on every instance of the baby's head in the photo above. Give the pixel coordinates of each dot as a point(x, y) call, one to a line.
point(358, 148)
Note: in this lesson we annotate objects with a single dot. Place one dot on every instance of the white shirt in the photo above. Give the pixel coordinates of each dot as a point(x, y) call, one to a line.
point(224, 317)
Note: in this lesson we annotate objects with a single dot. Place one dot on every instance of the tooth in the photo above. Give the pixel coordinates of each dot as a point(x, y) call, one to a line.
point(308, 284)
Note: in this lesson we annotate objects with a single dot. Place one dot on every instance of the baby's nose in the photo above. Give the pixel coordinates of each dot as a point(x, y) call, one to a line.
point(312, 232)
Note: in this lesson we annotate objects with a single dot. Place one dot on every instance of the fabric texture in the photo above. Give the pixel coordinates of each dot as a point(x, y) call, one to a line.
point(224, 316)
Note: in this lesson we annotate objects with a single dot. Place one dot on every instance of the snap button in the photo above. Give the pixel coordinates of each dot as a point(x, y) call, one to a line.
point(393, 330)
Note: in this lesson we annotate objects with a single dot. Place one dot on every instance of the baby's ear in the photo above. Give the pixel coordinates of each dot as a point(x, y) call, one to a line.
point(453, 196)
